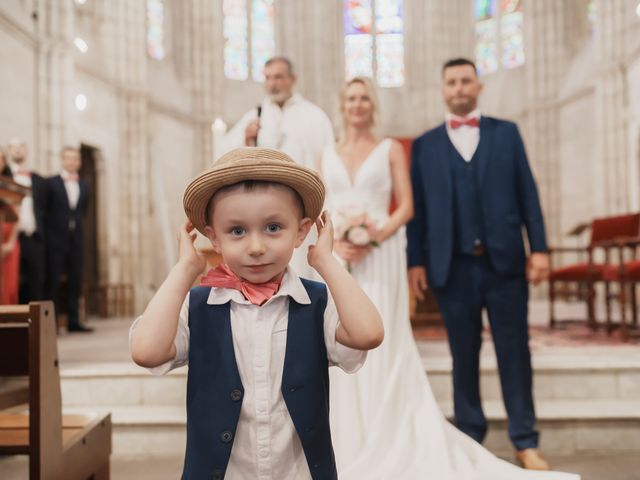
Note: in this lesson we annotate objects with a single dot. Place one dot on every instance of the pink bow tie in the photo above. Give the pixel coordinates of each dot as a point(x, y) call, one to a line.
point(71, 178)
point(256, 293)
point(470, 122)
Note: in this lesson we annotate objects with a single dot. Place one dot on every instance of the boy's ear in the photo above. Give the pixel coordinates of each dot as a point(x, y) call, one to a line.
point(303, 230)
point(215, 243)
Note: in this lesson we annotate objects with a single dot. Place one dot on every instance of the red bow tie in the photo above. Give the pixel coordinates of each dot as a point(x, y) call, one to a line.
point(71, 178)
point(256, 293)
point(470, 122)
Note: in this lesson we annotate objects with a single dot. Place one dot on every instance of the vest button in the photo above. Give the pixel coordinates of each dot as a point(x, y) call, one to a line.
point(226, 436)
point(236, 394)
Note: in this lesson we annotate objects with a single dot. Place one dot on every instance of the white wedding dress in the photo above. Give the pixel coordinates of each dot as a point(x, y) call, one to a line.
point(385, 421)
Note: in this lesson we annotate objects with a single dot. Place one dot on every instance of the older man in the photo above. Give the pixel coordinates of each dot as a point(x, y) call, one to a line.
point(284, 120)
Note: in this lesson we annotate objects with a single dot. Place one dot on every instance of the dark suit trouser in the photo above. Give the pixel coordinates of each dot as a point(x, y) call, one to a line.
point(66, 262)
point(32, 268)
point(472, 285)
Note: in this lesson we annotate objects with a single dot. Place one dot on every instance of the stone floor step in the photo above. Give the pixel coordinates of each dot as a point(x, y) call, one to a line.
point(564, 378)
point(568, 427)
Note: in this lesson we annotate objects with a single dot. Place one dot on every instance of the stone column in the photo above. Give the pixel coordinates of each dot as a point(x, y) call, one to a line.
point(207, 72)
point(134, 245)
point(54, 27)
point(614, 35)
point(546, 54)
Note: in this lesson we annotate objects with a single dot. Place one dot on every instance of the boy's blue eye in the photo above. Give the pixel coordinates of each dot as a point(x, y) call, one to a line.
point(273, 228)
point(237, 231)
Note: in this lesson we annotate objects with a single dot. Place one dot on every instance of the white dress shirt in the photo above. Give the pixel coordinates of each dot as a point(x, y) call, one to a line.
point(300, 129)
point(27, 220)
point(266, 445)
point(72, 186)
point(464, 138)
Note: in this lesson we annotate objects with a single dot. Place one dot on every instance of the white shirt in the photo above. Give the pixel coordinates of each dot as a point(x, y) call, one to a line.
point(72, 187)
point(27, 220)
point(266, 445)
point(300, 129)
point(465, 138)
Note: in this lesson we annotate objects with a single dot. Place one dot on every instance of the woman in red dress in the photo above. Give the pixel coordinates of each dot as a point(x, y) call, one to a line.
point(10, 250)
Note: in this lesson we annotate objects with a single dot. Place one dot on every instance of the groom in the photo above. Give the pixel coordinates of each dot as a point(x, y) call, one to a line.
point(473, 192)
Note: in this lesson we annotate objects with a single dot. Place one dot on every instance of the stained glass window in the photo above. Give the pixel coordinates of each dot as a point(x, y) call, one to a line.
point(512, 33)
point(155, 29)
point(499, 34)
point(262, 36)
point(374, 46)
point(242, 17)
point(592, 11)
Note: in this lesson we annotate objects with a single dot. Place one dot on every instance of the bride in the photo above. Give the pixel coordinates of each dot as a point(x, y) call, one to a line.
point(385, 421)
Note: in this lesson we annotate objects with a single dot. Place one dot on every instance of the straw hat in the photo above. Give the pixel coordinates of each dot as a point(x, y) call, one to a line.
point(253, 163)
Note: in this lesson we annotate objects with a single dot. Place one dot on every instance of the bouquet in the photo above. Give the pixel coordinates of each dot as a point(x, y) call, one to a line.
point(357, 230)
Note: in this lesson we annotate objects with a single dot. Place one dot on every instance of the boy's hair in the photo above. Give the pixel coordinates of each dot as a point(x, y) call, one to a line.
point(457, 62)
point(251, 185)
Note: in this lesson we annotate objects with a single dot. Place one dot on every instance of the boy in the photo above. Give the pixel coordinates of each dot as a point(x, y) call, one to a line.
point(260, 341)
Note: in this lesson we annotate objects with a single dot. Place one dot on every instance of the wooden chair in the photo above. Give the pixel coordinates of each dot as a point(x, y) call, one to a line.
point(69, 447)
point(578, 280)
point(627, 275)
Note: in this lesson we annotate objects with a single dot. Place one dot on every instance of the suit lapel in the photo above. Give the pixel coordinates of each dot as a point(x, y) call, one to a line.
point(484, 147)
point(441, 158)
point(59, 182)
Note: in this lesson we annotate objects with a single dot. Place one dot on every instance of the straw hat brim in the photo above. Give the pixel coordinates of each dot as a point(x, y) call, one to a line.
point(306, 182)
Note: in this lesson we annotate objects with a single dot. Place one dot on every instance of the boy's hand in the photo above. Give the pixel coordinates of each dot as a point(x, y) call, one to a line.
point(324, 246)
point(187, 252)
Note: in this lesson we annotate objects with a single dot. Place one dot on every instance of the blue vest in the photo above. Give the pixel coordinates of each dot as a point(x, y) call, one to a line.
point(215, 391)
point(467, 207)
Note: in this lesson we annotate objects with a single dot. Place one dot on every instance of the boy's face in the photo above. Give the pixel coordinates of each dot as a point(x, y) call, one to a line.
point(256, 231)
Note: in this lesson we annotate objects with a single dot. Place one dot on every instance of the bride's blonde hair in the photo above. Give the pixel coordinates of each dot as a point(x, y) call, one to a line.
point(373, 96)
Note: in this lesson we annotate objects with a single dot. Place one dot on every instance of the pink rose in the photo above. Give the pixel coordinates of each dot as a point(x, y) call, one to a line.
point(359, 235)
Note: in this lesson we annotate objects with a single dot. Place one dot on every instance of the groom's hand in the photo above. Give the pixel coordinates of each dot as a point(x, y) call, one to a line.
point(418, 281)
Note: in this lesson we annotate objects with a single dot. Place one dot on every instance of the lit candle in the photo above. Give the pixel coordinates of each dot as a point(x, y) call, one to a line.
point(218, 130)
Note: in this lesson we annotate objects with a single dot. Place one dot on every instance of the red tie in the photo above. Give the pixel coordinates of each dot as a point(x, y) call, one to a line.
point(256, 293)
point(470, 122)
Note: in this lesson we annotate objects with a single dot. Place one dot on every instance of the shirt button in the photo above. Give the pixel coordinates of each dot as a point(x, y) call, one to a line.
point(226, 436)
point(236, 395)
point(264, 453)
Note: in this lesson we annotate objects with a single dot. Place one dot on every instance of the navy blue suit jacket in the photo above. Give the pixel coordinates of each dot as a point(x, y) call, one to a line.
point(508, 196)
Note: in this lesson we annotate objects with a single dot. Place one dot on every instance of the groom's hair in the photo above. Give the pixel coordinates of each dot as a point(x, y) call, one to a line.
point(456, 62)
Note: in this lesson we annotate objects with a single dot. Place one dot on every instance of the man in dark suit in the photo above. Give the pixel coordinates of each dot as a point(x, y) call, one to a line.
point(67, 204)
point(31, 225)
point(473, 192)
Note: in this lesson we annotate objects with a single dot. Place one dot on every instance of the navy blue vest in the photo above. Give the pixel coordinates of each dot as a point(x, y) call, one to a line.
point(467, 209)
point(215, 391)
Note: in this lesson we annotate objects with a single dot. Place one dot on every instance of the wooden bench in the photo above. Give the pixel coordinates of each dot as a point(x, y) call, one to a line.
point(60, 447)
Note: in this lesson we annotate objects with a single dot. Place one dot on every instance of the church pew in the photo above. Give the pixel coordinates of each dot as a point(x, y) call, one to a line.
point(69, 447)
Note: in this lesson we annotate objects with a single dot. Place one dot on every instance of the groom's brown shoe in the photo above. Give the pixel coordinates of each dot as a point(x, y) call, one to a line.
point(531, 459)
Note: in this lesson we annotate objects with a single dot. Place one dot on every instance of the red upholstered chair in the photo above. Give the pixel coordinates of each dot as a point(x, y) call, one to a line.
point(578, 280)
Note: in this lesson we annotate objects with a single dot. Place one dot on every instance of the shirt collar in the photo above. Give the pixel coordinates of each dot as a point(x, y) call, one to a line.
point(17, 169)
point(291, 286)
point(450, 116)
point(292, 100)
